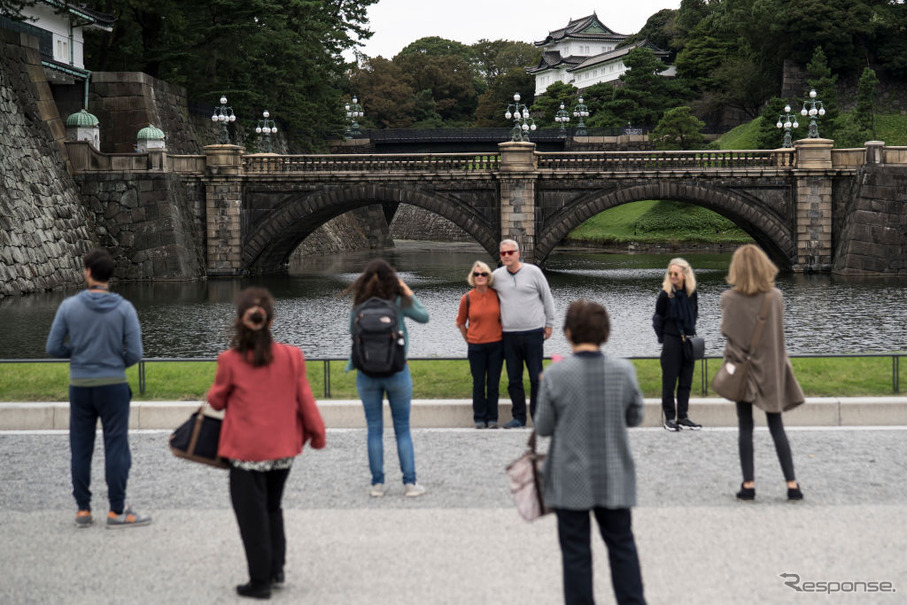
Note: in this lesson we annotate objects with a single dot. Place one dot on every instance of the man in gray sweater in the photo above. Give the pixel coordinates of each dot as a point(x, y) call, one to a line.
point(527, 317)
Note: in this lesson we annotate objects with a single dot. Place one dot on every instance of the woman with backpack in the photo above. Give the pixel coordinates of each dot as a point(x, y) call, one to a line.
point(479, 321)
point(380, 342)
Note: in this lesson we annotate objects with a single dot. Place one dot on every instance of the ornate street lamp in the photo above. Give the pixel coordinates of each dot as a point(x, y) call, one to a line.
point(353, 113)
point(787, 121)
point(580, 111)
point(812, 112)
point(522, 122)
point(224, 115)
point(266, 127)
point(562, 117)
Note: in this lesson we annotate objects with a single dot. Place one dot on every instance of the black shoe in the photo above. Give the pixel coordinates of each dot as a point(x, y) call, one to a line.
point(746, 493)
point(670, 425)
point(794, 493)
point(277, 580)
point(254, 591)
point(688, 424)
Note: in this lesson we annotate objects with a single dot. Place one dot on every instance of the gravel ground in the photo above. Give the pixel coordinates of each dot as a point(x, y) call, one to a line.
point(463, 542)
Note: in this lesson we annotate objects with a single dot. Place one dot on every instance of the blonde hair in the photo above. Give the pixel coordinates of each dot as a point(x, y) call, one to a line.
point(689, 278)
point(471, 280)
point(751, 270)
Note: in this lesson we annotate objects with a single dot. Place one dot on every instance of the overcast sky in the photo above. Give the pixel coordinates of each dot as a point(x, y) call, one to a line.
point(396, 23)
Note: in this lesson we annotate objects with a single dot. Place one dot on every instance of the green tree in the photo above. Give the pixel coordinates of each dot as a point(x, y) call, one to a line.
point(546, 106)
point(643, 94)
point(284, 55)
point(865, 109)
point(12, 9)
point(679, 129)
point(447, 78)
point(820, 78)
point(496, 57)
point(659, 30)
point(770, 136)
point(493, 102)
point(389, 102)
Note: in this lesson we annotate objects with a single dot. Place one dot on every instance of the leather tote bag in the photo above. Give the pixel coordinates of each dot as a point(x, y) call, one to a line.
point(197, 439)
point(733, 376)
point(525, 476)
point(693, 347)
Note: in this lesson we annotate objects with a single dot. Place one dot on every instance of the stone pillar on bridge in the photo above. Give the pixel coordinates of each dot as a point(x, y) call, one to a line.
point(517, 176)
point(814, 205)
point(223, 209)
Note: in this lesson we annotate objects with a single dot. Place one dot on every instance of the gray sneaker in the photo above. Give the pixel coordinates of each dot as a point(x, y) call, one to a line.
point(492, 424)
point(376, 490)
point(83, 518)
point(129, 518)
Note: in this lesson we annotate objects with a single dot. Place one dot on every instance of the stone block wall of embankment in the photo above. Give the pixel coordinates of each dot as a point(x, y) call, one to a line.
point(44, 230)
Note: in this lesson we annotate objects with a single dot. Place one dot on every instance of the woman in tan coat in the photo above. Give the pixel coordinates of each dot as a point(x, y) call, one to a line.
point(772, 386)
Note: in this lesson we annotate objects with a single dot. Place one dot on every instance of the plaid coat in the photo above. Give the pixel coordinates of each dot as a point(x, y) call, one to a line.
point(586, 403)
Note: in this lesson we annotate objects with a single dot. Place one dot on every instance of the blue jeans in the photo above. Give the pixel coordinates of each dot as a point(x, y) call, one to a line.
point(520, 347)
point(485, 362)
point(110, 403)
point(399, 390)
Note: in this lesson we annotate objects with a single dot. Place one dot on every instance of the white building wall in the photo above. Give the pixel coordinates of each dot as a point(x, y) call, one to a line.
point(66, 50)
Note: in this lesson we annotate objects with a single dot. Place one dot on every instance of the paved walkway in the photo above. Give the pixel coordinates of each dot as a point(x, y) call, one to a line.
point(463, 543)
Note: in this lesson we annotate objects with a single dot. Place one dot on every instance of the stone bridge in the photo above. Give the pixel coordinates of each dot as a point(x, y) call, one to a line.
point(255, 209)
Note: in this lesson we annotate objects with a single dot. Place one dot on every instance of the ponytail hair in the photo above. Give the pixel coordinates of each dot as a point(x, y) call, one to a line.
point(252, 327)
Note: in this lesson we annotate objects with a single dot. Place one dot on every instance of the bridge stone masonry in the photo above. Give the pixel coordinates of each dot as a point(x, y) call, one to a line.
point(812, 208)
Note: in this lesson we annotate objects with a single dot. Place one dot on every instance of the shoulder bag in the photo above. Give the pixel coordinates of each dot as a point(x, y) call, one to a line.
point(732, 377)
point(197, 439)
point(525, 475)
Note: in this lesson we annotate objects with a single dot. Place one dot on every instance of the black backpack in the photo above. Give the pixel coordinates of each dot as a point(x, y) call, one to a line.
point(378, 342)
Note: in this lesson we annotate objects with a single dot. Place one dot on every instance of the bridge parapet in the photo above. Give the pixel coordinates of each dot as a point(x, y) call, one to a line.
point(416, 162)
point(667, 160)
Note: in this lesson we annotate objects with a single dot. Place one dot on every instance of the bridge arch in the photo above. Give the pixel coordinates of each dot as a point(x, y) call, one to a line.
point(268, 246)
point(769, 230)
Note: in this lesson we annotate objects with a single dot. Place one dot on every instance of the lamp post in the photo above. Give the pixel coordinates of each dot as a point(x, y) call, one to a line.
point(224, 115)
point(266, 127)
point(562, 117)
point(353, 113)
point(787, 121)
point(522, 122)
point(812, 112)
point(580, 111)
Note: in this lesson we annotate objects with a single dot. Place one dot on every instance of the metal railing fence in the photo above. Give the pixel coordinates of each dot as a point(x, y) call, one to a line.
point(326, 365)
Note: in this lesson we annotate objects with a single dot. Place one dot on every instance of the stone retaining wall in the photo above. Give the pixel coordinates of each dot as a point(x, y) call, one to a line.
point(874, 224)
point(44, 231)
point(149, 223)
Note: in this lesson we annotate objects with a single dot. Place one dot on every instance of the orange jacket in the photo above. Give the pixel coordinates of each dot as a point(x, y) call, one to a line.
point(484, 323)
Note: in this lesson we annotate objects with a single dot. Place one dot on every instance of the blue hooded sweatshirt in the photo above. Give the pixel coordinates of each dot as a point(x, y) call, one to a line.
point(99, 333)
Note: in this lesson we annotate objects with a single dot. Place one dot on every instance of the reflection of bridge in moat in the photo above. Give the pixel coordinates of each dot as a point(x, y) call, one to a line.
point(258, 208)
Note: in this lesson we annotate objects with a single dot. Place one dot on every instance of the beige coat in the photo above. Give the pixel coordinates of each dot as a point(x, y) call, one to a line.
point(772, 386)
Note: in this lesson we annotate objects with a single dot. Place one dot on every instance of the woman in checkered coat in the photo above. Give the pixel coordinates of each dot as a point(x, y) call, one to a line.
point(586, 404)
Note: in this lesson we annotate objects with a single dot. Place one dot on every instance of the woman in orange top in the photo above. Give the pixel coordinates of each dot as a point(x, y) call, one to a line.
point(270, 414)
point(479, 321)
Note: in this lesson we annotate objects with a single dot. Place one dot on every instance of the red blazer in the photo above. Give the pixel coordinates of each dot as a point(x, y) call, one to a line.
point(271, 412)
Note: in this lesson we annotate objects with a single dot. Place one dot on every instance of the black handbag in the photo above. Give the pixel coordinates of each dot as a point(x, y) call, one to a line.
point(197, 439)
point(693, 347)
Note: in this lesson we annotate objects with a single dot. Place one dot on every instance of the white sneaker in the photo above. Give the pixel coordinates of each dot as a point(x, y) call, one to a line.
point(413, 490)
point(377, 490)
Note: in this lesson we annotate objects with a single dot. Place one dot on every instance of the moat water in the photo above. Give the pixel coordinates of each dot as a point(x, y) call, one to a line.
point(823, 314)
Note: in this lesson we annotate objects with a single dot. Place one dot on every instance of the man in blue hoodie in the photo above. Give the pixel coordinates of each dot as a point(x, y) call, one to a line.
point(99, 333)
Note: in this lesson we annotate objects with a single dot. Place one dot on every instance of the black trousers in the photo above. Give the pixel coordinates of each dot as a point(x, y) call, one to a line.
point(677, 371)
point(519, 347)
point(256, 498)
point(745, 444)
point(573, 530)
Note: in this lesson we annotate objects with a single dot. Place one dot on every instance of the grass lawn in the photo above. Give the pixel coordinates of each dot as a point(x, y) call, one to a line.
point(432, 379)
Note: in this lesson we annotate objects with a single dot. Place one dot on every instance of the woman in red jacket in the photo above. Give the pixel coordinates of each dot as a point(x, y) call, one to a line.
point(270, 414)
